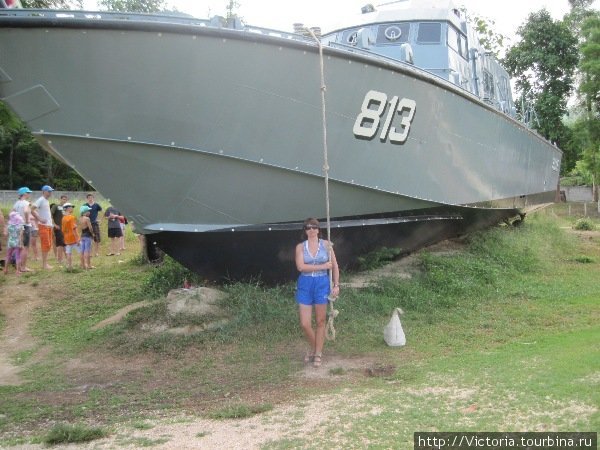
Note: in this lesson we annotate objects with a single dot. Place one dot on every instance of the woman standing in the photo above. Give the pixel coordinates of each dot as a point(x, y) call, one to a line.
point(313, 262)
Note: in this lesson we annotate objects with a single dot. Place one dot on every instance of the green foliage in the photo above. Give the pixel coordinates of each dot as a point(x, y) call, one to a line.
point(23, 162)
point(489, 39)
point(584, 224)
point(590, 60)
point(583, 144)
point(169, 275)
point(445, 282)
point(141, 425)
point(52, 4)
point(543, 63)
point(589, 126)
point(232, 7)
point(142, 6)
point(578, 176)
point(240, 411)
point(65, 433)
point(257, 309)
point(580, 3)
point(378, 258)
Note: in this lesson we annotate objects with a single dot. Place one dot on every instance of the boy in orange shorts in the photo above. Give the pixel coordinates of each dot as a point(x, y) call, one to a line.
point(41, 211)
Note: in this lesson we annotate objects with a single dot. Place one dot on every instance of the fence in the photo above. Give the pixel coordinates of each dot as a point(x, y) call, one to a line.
point(575, 209)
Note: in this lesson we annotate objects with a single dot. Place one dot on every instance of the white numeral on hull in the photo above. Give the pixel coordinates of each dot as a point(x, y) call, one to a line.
point(373, 108)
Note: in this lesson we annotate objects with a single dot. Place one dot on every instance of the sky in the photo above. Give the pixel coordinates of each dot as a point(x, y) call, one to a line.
point(507, 15)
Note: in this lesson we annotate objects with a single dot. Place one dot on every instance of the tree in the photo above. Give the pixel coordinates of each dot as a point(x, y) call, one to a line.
point(232, 7)
point(489, 38)
point(543, 63)
point(8, 123)
point(589, 91)
point(142, 6)
point(590, 62)
point(23, 162)
point(52, 4)
point(580, 3)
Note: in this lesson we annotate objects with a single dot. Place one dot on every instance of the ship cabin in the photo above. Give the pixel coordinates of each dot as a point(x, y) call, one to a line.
point(433, 35)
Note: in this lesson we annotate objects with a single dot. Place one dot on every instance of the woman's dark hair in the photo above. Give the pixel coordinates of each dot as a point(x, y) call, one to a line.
point(310, 221)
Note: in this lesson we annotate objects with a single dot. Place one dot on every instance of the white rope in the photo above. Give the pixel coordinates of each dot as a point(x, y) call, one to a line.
point(332, 314)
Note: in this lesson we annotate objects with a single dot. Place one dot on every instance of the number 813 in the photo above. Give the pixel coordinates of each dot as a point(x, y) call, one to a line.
point(372, 111)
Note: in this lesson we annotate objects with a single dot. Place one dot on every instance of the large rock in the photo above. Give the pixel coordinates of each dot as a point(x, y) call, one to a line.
point(200, 301)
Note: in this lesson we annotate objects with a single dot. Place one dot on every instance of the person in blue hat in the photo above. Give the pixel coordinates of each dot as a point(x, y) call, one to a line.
point(41, 211)
point(21, 206)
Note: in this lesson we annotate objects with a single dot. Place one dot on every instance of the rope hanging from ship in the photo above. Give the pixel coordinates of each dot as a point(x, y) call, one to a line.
point(332, 313)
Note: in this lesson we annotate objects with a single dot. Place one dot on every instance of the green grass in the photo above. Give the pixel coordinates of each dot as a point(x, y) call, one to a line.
point(240, 411)
point(501, 336)
point(65, 433)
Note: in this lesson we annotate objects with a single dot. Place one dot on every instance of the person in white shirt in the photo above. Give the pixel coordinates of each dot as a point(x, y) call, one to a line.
point(41, 211)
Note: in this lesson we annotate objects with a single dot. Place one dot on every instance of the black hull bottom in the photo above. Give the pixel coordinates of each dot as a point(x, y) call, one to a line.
point(267, 252)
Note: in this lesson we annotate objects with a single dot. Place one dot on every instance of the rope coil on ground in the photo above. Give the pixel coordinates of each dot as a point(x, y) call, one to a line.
point(330, 329)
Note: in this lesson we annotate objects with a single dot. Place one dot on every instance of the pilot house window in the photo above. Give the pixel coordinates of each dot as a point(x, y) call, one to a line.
point(393, 33)
point(488, 85)
point(349, 37)
point(457, 41)
point(429, 33)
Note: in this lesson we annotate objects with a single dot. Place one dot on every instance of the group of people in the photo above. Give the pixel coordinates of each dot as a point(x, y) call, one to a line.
point(58, 228)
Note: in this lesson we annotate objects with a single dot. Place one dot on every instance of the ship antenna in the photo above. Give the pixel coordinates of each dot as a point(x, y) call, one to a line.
point(330, 330)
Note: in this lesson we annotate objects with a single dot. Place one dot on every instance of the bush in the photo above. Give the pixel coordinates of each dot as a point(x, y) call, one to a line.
point(169, 275)
point(584, 224)
point(65, 433)
point(378, 258)
point(240, 411)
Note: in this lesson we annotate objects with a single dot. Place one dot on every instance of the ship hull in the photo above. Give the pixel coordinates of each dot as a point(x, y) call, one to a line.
point(206, 138)
point(266, 253)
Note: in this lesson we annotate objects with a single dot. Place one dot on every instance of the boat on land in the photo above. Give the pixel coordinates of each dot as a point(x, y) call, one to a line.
point(208, 134)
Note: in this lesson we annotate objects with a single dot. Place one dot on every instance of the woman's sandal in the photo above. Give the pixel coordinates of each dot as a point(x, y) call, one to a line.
point(309, 357)
point(317, 360)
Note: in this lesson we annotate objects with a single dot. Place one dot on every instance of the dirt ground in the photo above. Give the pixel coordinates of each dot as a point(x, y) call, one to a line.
point(17, 305)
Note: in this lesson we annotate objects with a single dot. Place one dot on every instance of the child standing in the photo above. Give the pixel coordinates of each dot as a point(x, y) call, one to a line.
point(15, 240)
point(33, 238)
point(87, 235)
point(71, 237)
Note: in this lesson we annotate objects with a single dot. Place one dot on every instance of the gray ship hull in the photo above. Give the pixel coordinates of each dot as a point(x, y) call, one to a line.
point(198, 133)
